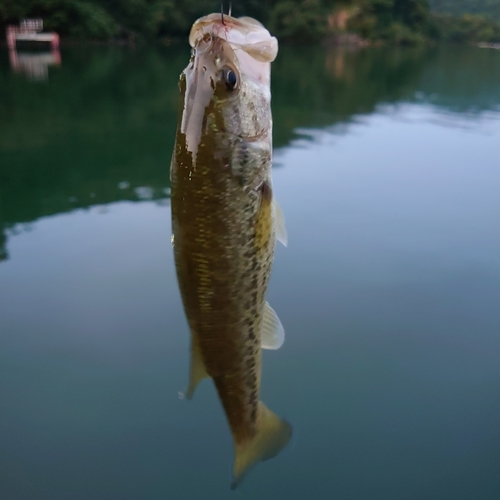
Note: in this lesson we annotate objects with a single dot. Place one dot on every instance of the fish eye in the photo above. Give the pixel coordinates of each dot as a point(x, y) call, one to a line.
point(230, 79)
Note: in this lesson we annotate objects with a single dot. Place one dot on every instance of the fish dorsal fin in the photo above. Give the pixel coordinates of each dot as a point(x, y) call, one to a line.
point(272, 331)
point(197, 371)
point(272, 436)
point(279, 224)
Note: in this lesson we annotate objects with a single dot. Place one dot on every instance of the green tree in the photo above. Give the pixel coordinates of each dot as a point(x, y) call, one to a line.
point(389, 21)
point(395, 21)
point(489, 8)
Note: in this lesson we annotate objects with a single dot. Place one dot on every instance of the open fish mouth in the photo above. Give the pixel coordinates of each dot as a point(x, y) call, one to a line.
point(251, 42)
point(211, 55)
point(225, 49)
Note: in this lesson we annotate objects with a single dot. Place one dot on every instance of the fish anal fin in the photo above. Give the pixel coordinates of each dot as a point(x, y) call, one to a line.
point(273, 434)
point(197, 371)
point(272, 331)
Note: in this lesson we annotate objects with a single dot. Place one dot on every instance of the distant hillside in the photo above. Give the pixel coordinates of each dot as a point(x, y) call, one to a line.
point(486, 7)
point(392, 22)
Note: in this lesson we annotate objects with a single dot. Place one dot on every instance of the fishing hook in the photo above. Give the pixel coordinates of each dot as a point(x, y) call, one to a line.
point(222, 13)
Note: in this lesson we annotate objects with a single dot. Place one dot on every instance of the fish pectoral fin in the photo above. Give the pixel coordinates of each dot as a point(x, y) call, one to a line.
point(273, 434)
point(197, 371)
point(279, 224)
point(272, 331)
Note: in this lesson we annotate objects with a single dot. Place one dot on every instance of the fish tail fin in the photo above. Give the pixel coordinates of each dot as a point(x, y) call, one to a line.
point(273, 434)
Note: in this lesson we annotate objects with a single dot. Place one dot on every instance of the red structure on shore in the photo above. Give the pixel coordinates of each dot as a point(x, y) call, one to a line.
point(30, 30)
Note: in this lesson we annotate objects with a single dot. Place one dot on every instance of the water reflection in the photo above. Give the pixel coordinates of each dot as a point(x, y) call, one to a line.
point(3, 250)
point(108, 115)
point(34, 64)
point(389, 289)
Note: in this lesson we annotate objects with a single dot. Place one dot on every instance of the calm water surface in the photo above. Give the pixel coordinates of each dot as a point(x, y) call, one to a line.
point(387, 166)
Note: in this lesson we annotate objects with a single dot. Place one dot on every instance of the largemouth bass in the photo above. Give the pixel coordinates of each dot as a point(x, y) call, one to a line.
point(225, 223)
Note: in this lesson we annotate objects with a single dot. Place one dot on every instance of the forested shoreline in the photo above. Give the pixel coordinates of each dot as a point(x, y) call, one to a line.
point(370, 21)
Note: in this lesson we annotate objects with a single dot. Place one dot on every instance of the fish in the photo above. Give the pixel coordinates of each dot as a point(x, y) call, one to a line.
point(225, 222)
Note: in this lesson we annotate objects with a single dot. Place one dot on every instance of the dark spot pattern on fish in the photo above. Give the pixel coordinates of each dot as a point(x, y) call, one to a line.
point(254, 414)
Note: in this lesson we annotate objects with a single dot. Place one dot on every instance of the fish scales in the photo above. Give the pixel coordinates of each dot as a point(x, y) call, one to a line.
point(224, 240)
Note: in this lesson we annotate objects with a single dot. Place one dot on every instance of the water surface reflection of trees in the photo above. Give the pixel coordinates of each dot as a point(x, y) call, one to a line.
point(101, 129)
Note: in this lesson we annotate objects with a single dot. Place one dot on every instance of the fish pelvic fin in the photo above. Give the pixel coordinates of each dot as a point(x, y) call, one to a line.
point(279, 224)
point(197, 370)
point(273, 434)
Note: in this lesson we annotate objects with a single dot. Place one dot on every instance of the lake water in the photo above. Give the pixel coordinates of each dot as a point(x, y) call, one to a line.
point(387, 166)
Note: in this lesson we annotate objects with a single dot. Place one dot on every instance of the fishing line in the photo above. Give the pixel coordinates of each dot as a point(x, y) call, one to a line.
point(222, 11)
